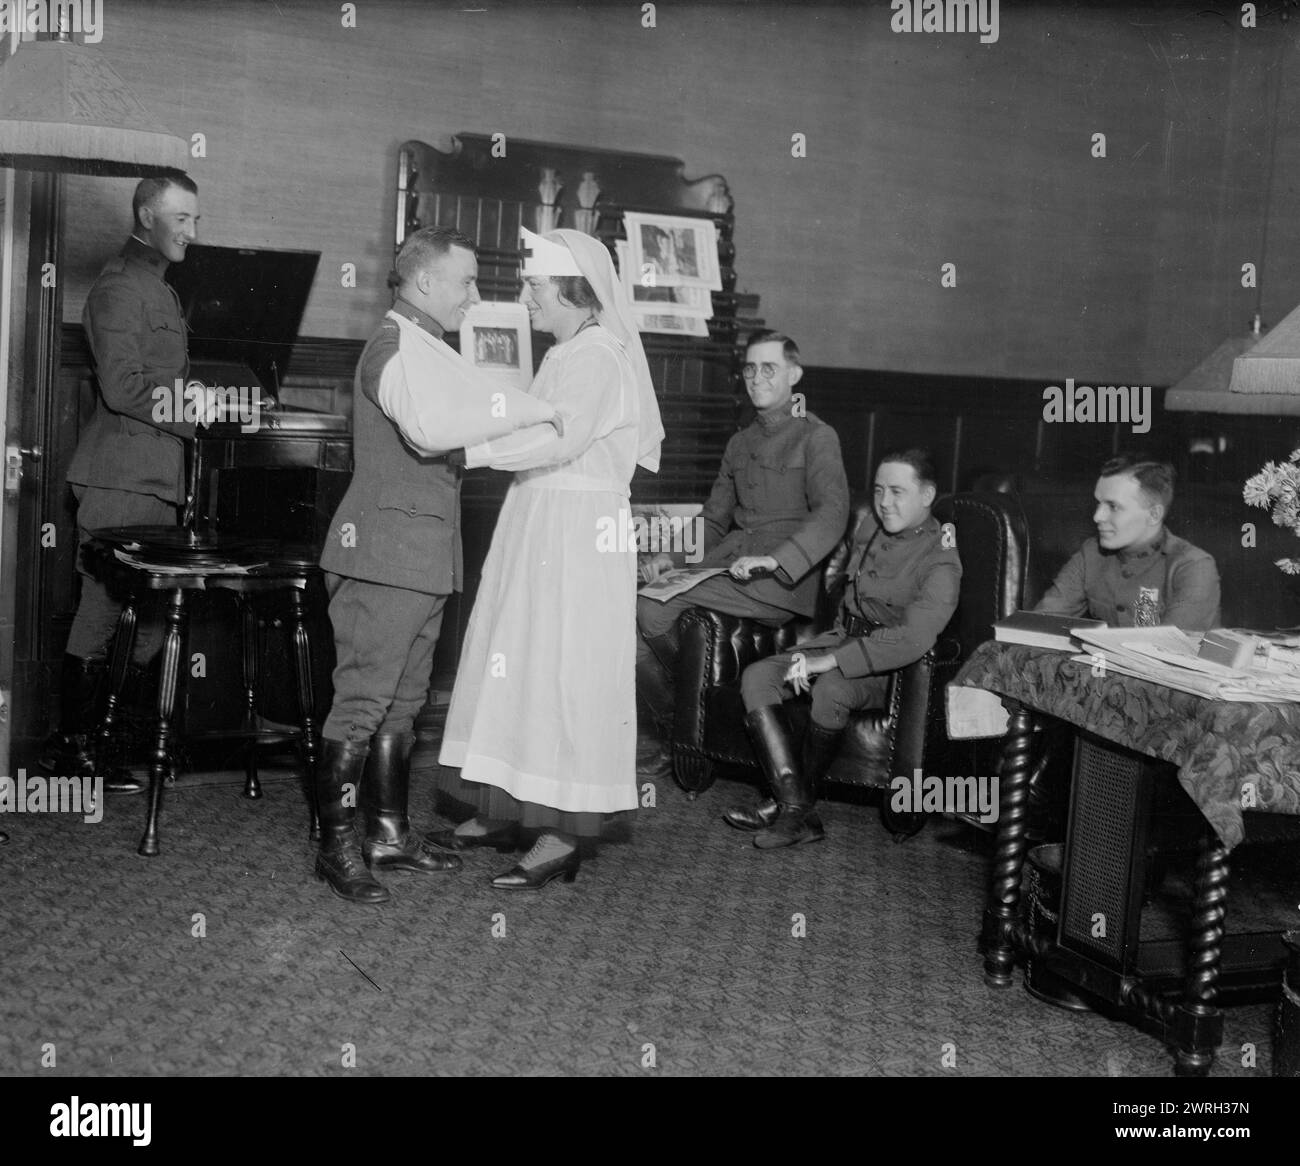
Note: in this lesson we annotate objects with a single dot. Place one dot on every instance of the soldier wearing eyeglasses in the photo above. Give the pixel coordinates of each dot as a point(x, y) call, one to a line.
point(777, 509)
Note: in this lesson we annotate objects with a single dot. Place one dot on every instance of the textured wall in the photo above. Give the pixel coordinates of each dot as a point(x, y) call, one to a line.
point(922, 149)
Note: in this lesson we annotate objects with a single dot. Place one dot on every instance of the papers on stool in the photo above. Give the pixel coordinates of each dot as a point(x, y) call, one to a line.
point(678, 581)
point(1168, 656)
point(224, 568)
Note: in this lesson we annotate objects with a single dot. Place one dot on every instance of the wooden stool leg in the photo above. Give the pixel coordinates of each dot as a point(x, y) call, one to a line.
point(306, 701)
point(248, 619)
point(160, 762)
point(1003, 909)
point(123, 646)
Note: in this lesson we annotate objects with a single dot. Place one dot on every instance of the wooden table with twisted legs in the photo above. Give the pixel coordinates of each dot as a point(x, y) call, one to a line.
point(1189, 1020)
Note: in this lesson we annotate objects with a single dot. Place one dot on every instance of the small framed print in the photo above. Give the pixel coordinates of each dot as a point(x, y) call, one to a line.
point(673, 251)
point(677, 311)
point(495, 338)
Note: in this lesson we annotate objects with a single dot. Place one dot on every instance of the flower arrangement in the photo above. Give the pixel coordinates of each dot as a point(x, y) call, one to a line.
point(1277, 488)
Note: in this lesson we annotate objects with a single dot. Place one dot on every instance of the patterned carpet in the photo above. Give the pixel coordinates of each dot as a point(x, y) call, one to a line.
point(680, 939)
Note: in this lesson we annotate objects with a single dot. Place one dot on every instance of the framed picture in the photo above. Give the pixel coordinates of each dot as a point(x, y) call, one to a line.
point(672, 323)
point(677, 311)
point(495, 337)
point(672, 251)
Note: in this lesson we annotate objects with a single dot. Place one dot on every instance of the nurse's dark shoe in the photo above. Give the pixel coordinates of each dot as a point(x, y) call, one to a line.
point(553, 856)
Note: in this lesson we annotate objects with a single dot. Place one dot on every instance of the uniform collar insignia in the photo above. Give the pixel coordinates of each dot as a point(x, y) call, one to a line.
point(1156, 546)
point(409, 311)
point(139, 251)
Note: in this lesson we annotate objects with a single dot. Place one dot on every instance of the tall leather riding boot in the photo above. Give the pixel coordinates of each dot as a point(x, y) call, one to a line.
point(763, 815)
point(656, 698)
point(820, 746)
point(71, 751)
point(386, 786)
point(819, 749)
point(339, 863)
point(796, 821)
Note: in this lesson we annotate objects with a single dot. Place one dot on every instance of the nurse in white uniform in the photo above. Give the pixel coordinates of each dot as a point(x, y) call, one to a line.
point(542, 724)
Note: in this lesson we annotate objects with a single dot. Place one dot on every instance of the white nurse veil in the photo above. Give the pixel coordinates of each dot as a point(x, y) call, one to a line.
point(616, 315)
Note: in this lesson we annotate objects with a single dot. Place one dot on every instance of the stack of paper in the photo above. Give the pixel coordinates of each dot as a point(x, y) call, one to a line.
point(1168, 656)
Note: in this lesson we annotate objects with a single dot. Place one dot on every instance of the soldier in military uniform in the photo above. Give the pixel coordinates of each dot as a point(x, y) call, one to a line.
point(1136, 573)
point(777, 509)
point(129, 465)
point(394, 555)
point(903, 577)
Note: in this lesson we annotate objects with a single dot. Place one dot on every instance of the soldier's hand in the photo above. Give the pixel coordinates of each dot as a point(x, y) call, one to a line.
point(748, 565)
point(654, 566)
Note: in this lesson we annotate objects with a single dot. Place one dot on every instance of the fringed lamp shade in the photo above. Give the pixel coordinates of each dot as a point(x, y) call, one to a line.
point(1211, 376)
point(64, 108)
point(1213, 385)
point(1272, 365)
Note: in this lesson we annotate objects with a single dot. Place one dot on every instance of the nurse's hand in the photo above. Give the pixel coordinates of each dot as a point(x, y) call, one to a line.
point(654, 566)
point(748, 565)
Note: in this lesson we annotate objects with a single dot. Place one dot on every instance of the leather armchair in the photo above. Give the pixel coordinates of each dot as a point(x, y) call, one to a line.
point(910, 732)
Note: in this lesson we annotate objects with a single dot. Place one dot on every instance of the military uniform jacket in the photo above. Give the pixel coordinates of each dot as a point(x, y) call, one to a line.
point(399, 522)
point(1168, 582)
point(907, 583)
point(136, 336)
point(782, 492)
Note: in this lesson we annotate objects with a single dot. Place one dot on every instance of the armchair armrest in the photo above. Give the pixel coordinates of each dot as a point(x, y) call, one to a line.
point(713, 650)
point(909, 709)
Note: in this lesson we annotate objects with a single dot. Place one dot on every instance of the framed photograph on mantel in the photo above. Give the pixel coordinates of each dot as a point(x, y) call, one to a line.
point(495, 337)
point(673, 251)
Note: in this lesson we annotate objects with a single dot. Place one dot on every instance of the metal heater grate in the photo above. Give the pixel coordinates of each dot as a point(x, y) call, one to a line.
point(1100, 906)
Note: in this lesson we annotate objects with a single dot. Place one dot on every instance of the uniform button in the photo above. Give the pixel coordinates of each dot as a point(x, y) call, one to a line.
point(1120, 607)
point(871, 574)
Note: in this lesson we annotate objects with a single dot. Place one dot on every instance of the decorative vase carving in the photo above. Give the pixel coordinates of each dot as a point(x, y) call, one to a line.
point(588, 192)
point(548, 213)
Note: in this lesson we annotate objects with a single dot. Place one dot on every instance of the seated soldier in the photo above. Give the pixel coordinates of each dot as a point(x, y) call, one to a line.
point(777, 509)
point(1135, 573)
point(902, 581)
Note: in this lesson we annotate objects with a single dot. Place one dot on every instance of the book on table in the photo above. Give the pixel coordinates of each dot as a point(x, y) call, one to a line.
point(1041, 629)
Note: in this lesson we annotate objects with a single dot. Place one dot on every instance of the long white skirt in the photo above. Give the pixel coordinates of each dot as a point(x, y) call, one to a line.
point(545, 699)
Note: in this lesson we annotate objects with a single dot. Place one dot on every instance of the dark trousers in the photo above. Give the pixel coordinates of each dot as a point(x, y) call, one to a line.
point(98, 611)
point(655, 620)
point(834, 695)
point(384, 638)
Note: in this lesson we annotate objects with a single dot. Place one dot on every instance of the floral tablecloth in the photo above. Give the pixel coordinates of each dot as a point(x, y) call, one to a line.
point(1230, 756)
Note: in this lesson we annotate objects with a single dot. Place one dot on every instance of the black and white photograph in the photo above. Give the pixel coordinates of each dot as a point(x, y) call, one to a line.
point(496, 348)
point(595, 538)
point(672, 251)
point(495, 338)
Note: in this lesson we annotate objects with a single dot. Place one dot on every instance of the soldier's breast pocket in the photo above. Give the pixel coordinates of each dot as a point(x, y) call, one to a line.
point(777, 481)
point(414, 527)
